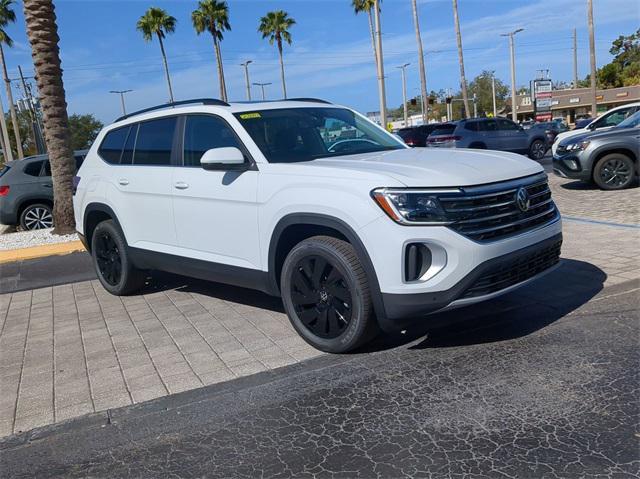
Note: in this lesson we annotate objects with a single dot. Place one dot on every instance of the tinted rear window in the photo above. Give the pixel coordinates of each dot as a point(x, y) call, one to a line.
point(4, 169)
point(443, 130)
point(111, 147)
point(33, 168)
point(154, 141)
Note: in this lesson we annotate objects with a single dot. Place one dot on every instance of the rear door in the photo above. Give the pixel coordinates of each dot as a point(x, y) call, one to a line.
point(216, 213)
point(512, 137)
point(141, 183)
point(489, 131)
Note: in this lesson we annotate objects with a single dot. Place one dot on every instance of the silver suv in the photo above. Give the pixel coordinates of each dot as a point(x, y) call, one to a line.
point(490, 134)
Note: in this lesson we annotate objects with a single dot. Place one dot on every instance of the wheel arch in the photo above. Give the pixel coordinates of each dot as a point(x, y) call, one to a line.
point(293, 228)
point(94, 214)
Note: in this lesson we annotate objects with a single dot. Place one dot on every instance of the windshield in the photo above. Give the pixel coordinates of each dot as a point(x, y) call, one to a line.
point(632, 121)
point(291, 135)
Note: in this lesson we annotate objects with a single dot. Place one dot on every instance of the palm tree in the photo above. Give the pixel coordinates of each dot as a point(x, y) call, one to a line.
point(361, 6)
point(157, 21)
point(7, 15)
point(275, 26)
point(463, 80)
point(213, 16)
point(43, 36)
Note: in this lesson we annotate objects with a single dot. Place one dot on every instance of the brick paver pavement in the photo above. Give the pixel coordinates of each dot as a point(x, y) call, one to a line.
point(73, 349)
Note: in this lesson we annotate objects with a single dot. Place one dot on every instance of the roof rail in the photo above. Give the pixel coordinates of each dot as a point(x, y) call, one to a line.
point(312, 100)
point(204, 101)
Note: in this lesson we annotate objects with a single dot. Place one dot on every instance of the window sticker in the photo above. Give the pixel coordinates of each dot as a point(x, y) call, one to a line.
point(250, 116)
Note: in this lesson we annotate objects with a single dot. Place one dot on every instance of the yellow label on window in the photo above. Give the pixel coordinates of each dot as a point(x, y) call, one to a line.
point(250, 116)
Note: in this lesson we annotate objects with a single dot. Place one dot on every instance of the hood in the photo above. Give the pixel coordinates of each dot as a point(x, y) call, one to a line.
point(437, 167)
point(614, 132)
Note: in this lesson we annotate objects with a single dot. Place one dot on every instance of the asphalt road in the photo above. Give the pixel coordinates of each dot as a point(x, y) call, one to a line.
point(541, 384)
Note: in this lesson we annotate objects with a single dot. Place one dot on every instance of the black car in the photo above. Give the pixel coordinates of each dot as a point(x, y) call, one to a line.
point(582, 123)
point(26, 192)
point(551, 129)
point(417, 135)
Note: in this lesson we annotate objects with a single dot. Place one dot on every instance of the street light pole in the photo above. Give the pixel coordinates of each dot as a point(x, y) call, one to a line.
point(121, 93)
point(493, 93)
point(514, 114)
point(592, 57)
point(246, 77)
point(262, 85)
point(404, 93)
point(575, 59)
point(381, 88)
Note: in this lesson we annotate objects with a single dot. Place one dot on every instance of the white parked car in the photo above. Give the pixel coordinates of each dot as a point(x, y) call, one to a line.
point(314, 203)
point(603, 123)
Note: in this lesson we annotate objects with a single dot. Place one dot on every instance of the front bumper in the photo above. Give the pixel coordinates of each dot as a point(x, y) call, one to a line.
point(570, 166)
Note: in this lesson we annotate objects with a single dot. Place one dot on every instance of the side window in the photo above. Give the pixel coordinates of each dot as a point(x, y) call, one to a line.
point(506, 125)
point(614, 118)
point(127, 152)
point(488, 125)
point(79, 160)
point(154, 141)
point(204, 132)
point(111, 146)
point(47, 166)
point(33, 169)
point(471, 126)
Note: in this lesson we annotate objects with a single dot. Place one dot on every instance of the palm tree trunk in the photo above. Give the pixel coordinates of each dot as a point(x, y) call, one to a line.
point(223, 85)
point(284, 85)
point(12, 108)
point(373, 37)
point(43, 36)
point(463, 80)
point(166, 69)
point(423, 74)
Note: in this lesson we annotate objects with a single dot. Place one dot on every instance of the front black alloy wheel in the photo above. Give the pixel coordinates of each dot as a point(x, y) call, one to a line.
point(111, 260)
point(321, 297)
point(326, 294)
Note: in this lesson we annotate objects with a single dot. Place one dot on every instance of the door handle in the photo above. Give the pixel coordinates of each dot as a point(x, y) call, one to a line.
point(48, 185)
point(123, 181)
point(181, 185)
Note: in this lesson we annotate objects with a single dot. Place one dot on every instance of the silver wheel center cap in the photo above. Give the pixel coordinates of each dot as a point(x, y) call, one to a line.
point(324, 296)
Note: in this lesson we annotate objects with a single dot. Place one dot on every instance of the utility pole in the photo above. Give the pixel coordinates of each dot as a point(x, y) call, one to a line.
point(262, 85)
point(246, 77)
point(404, 93)
point(514, 113)
point(575, 58)
point(493, 93)
point(463, 80)
point(381, 88)
point(121, 93)
point(38, 138)
point(12, 108)
point(423, 75)
point(592, 57)
point(6, 144)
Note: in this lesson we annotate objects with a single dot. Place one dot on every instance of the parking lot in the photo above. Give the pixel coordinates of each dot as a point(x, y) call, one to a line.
point(73, 349)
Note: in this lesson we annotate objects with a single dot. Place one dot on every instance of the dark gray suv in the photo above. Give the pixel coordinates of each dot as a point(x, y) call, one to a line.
point(491, 134)
point(609, 158)
point(26, 192)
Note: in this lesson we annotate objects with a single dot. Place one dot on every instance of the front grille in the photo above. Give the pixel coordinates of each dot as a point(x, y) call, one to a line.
point(516, 271)
point(492, 213)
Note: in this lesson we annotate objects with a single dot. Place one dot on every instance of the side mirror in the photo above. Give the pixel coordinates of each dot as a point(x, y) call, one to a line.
point(227, 158)
point(591, 126)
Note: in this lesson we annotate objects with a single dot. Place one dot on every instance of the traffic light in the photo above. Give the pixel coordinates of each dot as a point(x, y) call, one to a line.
point(431, 100)
point(414, 102)
point(448, 100)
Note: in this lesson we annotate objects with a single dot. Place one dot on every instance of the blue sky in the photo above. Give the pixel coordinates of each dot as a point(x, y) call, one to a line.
point(331, 55)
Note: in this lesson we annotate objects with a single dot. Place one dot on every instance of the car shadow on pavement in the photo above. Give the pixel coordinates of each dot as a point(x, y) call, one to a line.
point(511, 316)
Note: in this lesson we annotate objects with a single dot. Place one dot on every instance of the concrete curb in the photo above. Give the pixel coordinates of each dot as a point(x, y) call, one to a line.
point(40, 251)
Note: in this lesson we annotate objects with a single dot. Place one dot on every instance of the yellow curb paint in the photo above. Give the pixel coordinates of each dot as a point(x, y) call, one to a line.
point(40, 251)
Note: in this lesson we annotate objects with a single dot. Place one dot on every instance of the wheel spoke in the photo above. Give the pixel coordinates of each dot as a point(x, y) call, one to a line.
point(303, 300)
point(308, 316)
point(302, 283)
point(319, 266)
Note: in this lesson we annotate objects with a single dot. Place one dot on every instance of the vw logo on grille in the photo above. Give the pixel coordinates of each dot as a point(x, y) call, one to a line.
point(522, 199)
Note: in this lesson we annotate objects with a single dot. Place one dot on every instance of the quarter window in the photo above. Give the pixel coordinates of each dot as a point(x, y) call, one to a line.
point(154, 142)
point(33, 169)
point(204, 132)
point(111, 147)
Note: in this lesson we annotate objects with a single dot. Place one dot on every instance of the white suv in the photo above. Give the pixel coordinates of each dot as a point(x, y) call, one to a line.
point(314, 203)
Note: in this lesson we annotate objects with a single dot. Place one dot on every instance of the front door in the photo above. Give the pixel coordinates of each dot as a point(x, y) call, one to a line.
point(513, 138)
point(216, 214)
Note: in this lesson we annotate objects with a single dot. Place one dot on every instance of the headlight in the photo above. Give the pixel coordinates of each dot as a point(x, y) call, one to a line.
point(411, 207)
point(578, 146)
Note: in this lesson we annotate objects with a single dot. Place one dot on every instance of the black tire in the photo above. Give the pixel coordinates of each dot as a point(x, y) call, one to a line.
point(36, 217)
point(614, 171)
point(111, 260)
point(340, 299)
point(537, 149)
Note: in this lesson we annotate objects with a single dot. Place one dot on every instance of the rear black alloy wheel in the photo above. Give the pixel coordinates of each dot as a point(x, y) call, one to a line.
point(537, 150)
point(108, 258)
point(321, 297)
point(614, 172)
point(111, 260)
point(36, 217)
point(326, 294)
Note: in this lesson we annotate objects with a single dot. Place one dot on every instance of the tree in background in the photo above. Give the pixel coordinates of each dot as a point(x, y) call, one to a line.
point(26, 135)
point(624, 69)
point(7, 16)
point(481, 86)
point(366, 6)
point(158, 22)
point(84, 129)
point(213, 16)
point(275, 26)
point(43, 36)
